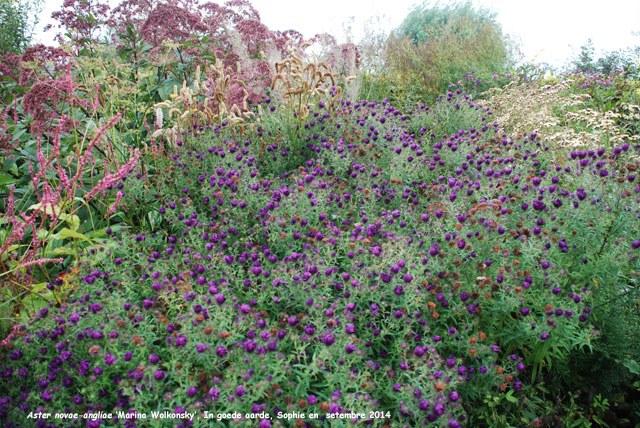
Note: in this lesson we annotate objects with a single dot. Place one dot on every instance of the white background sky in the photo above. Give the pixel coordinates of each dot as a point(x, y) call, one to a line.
point(547, 30)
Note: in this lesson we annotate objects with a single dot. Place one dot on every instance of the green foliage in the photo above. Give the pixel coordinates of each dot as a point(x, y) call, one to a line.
point(436, 46)
point(614, 97)
point(609, 63)
point(430, 21)
point(584, 60)
point(451, 113)
point(376, 86)
point(17, 22)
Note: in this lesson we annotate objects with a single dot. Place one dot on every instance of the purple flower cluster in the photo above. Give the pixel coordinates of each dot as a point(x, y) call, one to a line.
point(398, 263)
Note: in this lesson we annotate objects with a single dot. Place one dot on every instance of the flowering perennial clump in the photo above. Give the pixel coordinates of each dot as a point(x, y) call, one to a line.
point(396, 270)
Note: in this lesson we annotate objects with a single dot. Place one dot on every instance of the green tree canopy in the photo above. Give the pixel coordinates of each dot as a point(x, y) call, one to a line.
point(430, 20)
point(439, 45)
point(17, 22)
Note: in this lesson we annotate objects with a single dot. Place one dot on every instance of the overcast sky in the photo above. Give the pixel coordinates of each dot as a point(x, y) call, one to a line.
point(549, 31)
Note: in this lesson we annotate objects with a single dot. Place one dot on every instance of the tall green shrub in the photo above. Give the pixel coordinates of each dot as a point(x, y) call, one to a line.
point(16, 26)
point(438, 45)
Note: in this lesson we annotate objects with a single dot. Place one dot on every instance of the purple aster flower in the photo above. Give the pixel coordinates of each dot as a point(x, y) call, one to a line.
point(221, 351)
point(538, 205)
point(240, 390)
point(109, 359)
point(180, 340)
point(328, 339)
point(214, 393)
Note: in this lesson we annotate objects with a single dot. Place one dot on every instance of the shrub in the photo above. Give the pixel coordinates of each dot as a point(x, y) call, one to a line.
point(437, 46)
point(608, 64)
point(452, 113)
point(17, 22)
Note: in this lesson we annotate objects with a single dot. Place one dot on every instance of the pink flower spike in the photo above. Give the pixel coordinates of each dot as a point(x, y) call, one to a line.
point(88, 150)
point(103, 128)
point(34, 180)
point(113, 207)
point(39, 262)
point(43, 162)
point(11, 204)
point(110, 179)
point(96, 99)
point(7, 340)
point(5, 117)
point(19, 228)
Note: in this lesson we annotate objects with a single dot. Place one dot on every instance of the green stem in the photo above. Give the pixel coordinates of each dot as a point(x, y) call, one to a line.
point(29, 290)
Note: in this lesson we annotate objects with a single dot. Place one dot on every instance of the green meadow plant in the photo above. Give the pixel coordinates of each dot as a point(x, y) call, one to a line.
point(300, 83)
point(453, 112)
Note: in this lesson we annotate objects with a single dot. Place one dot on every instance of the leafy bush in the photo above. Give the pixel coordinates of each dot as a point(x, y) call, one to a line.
point(17, 24)
point(610, 63)
point(436, 46)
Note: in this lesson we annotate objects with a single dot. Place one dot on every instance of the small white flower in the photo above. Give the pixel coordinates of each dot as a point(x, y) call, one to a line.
point(159, 118)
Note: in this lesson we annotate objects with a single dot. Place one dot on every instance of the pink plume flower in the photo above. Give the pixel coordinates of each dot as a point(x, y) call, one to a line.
point(113, 206)
point(113, 178)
